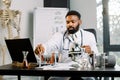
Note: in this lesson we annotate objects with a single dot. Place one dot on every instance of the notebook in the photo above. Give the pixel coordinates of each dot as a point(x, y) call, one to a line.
point(16, 48)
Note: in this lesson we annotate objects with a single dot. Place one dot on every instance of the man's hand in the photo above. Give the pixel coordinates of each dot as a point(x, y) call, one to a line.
point(88, 49)
point(39, 49)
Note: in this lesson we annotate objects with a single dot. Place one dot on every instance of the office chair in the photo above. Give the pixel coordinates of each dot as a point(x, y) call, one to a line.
point(92, 30)
point(111, 58)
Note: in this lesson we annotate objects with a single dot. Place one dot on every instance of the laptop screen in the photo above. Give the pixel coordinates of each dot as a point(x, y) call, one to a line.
point(16, 48)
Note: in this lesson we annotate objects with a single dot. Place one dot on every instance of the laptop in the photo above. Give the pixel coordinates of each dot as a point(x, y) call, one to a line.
point(16, 48)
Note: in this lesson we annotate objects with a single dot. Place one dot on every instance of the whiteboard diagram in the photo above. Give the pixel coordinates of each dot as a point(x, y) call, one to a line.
point(47, 21)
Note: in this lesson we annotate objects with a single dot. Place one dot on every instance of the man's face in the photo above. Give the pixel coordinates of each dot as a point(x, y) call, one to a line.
point(73, 23)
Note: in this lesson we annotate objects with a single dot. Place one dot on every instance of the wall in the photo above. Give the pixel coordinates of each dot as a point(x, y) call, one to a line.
point(26, 7)
point(87, 9)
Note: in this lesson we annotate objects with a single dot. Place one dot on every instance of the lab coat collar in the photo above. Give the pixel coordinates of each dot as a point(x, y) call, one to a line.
point(66, 35)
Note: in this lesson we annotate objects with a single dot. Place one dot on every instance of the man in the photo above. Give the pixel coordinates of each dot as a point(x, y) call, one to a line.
point(73, 34)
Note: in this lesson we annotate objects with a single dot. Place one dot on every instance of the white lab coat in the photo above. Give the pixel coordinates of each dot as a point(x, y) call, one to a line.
point(59, 42)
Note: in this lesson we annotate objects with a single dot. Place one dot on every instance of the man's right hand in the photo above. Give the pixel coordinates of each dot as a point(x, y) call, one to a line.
point(39, 49)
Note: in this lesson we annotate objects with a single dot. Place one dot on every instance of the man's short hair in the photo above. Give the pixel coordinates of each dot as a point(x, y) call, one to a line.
point(72, 12)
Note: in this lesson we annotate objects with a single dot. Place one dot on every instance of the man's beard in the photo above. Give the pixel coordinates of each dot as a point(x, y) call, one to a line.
point(72, 30)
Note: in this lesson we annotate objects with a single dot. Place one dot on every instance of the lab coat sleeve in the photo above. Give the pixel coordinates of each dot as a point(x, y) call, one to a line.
point(54, 43)
point(93, 44)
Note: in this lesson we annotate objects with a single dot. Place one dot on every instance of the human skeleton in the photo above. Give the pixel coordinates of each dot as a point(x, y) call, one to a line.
point(9, 20)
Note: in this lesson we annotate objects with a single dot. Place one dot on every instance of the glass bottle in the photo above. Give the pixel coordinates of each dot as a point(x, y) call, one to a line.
point(25, 62)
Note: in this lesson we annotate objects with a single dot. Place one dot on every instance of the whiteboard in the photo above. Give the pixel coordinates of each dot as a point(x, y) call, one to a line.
point(47, 21)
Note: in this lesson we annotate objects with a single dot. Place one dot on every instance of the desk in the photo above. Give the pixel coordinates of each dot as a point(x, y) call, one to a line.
point(10, 70)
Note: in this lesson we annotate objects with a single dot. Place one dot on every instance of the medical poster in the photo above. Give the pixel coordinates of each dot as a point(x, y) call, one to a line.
point(48, 21)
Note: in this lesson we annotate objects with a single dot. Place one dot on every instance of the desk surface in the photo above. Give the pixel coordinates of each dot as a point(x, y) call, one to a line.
point(11, 70)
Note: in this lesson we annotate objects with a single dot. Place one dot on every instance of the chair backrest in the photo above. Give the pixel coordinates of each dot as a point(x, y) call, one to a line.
point(93, 31)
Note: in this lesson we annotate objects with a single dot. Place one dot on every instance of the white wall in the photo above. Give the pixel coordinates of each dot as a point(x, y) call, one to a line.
point(26, 7)
point(87, 8)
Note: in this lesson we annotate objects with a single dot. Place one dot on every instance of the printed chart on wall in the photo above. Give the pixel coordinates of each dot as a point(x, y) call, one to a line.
point(47, 21)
